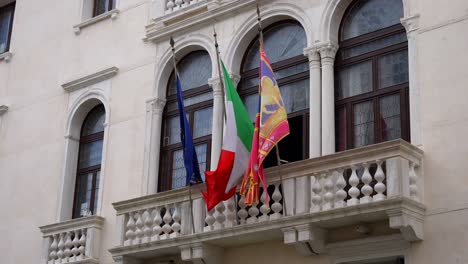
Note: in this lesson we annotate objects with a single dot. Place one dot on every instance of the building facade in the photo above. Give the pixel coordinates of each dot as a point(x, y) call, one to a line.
point(91, 161)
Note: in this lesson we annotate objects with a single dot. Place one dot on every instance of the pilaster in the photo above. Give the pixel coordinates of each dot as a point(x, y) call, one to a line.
point(315, 102)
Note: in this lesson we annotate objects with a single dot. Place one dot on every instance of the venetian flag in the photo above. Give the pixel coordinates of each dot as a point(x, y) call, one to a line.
point(271, 126)
point(221, 184)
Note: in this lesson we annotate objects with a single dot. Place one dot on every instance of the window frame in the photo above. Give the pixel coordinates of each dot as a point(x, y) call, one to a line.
point(6, 9)
point(278, 66)
point(85, 171)
point(110, 6)
point(377, 93)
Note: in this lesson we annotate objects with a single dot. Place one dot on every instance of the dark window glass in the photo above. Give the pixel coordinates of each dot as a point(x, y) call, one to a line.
point(6, 24)
point(371, 75)
point(89, 163)
point(194, 72)
point(284, 43)
point(102, 6)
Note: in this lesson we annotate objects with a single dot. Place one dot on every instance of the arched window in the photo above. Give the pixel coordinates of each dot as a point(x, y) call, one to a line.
point(194, 72)
point(371, 75)
point(284, 44)
point(89, 163)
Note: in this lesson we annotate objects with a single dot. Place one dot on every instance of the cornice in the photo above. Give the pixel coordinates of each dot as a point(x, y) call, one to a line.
point(90, 79)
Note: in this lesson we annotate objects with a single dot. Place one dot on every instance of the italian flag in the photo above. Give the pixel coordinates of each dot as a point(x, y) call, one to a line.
point(221, 184)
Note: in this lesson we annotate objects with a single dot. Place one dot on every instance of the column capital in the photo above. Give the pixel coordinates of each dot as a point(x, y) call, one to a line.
point(411, 23)
point(215, 84)
point(155, 105)
point(312, 52)
point(327, 49)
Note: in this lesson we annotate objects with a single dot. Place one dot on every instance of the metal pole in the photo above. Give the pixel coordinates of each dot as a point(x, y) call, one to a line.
point(221, 80)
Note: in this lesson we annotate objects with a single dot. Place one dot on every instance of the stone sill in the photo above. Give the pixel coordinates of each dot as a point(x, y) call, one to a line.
point(391, 209)
point(110, 14)
point(70, 225)
point(6, 56)
point(163, 27)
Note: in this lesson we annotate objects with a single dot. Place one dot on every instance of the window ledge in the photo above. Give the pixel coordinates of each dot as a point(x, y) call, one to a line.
point(6, 56)
point(3, 109)
point(90, 79)
point(111, 14)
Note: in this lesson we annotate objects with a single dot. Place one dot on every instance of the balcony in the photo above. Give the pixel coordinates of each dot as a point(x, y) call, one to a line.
point(310, 200)
point(75, 242)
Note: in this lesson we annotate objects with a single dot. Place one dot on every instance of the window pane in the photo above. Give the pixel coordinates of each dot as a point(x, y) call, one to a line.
point(94, 122)
point(102, 6)
point(363, 124)
point(303, 67)
point(98, 174)
point(5, 18)
point(374, 45)
point(194, 71)
point(172, 131)
point(390, 117)
point(203, 120)
point(191, 101)
point(83, 202)
point(178, 169)
point(201, 151)
point(296, 96)
point(371, 15)
point(354, 80)
point(251, 103)
point(281, 42)
point(393, 69)
point(90, 154)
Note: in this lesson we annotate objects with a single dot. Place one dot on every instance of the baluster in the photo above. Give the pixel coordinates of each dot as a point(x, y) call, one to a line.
point(178, 4)
point(157, 229)
point(81, 249)
point(176, 225)
point(353, 191)
point(68, 244)
point(413, 179)
point(366, 190)
point(340, 194)
point(170, 6)
point(53, 248)
point(219, 216)
point(61, 247)
point(76, 245)
point(379, 186)
point(130, 234)
point(316, 194)
point(148, 223)
point(230, 212)
point(276, 206)
point(242, 214)
point(167, 218)
point(328, 187)
point(139, 227)
point(186, 3)
point(209, 220)
point(253, 213)
point(265, 208)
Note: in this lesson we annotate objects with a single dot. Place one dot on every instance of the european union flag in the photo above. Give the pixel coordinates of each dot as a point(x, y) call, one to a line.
point(190, 156)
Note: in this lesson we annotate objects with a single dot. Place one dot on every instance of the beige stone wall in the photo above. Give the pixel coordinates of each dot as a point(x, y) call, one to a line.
point(47, 53)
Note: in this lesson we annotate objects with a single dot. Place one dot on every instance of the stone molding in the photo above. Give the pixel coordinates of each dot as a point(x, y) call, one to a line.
point(327, 50)
point(201, 253)
point(84, 222)
point(411, 23)
point(6, 56)
point(3, 109)
point(113, 14)
point(90, 79)
point(155, 105)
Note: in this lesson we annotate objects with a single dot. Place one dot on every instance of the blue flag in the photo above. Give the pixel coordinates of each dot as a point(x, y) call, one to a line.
point(190, 156)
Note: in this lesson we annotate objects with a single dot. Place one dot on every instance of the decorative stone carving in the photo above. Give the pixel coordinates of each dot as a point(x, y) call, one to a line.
point(308, 240)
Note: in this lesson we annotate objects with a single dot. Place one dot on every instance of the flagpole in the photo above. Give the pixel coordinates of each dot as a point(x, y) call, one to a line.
point(260, 29)
point(219, 70)
point(176, 73)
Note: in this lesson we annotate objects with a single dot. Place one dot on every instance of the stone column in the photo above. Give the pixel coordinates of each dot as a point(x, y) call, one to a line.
point(315, 102)
point(327, 53)
point(411, 24)
point(154, 112)
point(218, 120)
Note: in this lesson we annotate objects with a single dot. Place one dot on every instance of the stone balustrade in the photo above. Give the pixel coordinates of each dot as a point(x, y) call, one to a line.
point(175, 5)
point(383, 179)
point(74, 241)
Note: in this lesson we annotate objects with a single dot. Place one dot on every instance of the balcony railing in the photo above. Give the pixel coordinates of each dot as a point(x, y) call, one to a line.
point(74, 241)
point(378, 182)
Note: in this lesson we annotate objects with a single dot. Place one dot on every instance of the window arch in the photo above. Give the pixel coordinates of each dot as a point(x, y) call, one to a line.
point(194, 71)
point(89, 163)
point(371, 75)
point(284, 44)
